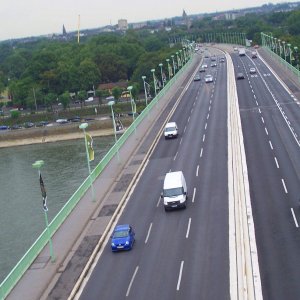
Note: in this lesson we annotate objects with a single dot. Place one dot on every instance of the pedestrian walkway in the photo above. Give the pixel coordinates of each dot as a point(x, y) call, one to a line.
point(76, 239)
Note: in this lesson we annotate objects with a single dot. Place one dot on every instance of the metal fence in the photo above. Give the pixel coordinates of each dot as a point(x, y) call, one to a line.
point(24, 263)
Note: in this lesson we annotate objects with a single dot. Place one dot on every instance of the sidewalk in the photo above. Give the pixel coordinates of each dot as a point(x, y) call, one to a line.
point(74, 242)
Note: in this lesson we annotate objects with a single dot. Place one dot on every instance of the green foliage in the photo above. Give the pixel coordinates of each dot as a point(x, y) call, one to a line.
point(116, 92)
point(14, 114)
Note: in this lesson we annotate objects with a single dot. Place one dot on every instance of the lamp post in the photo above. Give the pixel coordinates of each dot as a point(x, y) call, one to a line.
point(111, 103)
point(275, 39)
point(181, 59)
point(133, 106)
point(290, 53)
point(161, 74)
point(168, 63)
point(296, 58)
point(37, 165)
point(177, 60)
point(146, 98)
point(172, 56)
point(83, 126)
point(153, 70)
point(284, 52)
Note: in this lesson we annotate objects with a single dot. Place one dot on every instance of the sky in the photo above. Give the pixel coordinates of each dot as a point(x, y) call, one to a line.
point(24, 18)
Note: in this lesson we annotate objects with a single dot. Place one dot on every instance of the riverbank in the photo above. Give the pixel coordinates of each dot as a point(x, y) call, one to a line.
point(56, 133)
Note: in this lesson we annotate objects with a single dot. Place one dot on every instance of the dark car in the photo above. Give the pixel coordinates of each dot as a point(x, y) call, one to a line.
point(28, 125)
point(240, 76)
point(202, 69)
point(42, 124)
point(16, 126)
point(4, 127)
point(197, 78)
point(123, 238)
point(75, 119)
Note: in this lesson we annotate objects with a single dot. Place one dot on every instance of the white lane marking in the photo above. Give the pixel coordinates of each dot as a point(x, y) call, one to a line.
point(207, 116)
point(194, 194)
point(205, 126)
point(194, 103)
point(175, 155)
point(180, 275)
point(266, 130)
point(254, 96)
point(148, 234)
point(201, 152)
point(158, 202)
point(259, 110)
point(252, 91)
point(184, 129)
point(284, 186)
point(262, 119)
point(192, 110)
point(180, 141)
point(209, 108)
point(131, 281)
point(197, 172)
point(189, 118)
point(210, 102)
point(256, 103)
point(271, 145)
point(203, 139)
point(188, 228)
point(276, 162)
point(294, 217)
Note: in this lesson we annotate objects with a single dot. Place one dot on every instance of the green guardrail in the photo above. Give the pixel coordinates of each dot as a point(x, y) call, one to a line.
point(284, 62)
point(24, 263)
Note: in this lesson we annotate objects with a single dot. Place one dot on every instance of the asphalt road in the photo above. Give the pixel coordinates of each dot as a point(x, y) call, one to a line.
point(181, 254)
point(270, 122)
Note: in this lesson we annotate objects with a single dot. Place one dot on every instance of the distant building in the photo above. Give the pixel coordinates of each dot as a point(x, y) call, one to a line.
point(122, 24)
point(139, 25)
point(64, 31)
point(186, 20)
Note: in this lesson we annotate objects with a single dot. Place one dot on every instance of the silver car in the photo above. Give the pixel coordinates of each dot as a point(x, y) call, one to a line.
point(208, 78)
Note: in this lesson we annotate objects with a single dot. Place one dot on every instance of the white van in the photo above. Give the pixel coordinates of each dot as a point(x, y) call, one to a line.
point(174, 192)
point(171, 130)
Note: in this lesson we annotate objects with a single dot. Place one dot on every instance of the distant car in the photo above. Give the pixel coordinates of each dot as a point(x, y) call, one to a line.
point(75, 119)
point(91, 99)
point(213, 65)
point(206, 56)
point(204, 66)
point(208, 78)
point(254, 54)
point(202, 69)
point(171, 130)
point(235, 49)
point(213, 58)
point(222, 59)
point(123, 238)
point(240, 76)
point(42, 124)
point(28, 125)
point(4, 127)
point(16, 126)
point(62, 121)
point(252, 70)
point(256, 46)
point(197, 78)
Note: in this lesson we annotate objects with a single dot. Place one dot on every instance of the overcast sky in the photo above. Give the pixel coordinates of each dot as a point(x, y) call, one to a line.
point(23, 18)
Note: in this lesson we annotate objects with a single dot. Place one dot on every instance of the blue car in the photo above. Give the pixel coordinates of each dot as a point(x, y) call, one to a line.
point(123, 238)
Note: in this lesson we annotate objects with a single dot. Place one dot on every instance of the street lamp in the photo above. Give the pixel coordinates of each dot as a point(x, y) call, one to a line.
point(168, 63)
point(180, 53)
point(146, 99)
point(133, 106)
point(161, 74)
point(172, 56)
point(83, 126)
point(111, 103)
point(37, 165)
point(177, 60)
point(284, 53)
point(290, 52)
point(296, 57)
point(153, 70)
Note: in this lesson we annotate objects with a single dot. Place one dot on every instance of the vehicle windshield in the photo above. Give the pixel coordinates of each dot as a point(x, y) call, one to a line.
point(173, 192)
point(170, 129)
point(120, 234)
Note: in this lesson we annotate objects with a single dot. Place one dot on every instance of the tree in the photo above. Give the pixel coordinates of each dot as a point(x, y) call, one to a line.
point(65, 99)
point(116, 92)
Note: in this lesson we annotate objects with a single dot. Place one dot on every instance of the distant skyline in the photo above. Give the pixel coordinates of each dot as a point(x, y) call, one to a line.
point(41, 17)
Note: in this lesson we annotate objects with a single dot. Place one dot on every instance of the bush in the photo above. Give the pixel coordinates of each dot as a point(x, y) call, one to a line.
point(15, 114)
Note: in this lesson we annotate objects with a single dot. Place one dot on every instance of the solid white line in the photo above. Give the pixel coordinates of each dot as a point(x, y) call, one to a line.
point(131, 281)
point(283, 183)
point(205, 126)
point(158, 202)
point(188, 228)
point(271, 145)
point(180, 141)
point(266, 130)
point(149, 230)
point(207, 116)
point(294, 217)
point(276, 162)
point(175, 155)
point(262, 119)
point(201, 152)
point(194, 194)
point(203, 139)
point(179, 277)
point(197, 172)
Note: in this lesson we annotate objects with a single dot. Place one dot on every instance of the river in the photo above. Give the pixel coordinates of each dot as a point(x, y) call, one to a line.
point(21, 212)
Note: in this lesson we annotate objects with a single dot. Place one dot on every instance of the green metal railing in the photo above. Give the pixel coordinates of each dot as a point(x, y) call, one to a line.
point(17, 272)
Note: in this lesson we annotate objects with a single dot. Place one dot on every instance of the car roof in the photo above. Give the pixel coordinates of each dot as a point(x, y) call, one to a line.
point(122, 227)
point(171, 124)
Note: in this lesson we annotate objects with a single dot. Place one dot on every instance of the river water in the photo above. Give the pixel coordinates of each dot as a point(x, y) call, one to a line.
point(21, 211)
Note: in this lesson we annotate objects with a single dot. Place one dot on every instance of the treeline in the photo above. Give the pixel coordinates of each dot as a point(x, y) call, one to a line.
point(48, 71)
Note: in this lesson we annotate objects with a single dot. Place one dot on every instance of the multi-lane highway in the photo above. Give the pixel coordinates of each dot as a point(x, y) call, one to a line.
point(270, 121)
point(181, 254)
point(184, 254)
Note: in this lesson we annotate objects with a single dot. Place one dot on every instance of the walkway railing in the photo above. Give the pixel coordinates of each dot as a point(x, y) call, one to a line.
point(17, 272)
